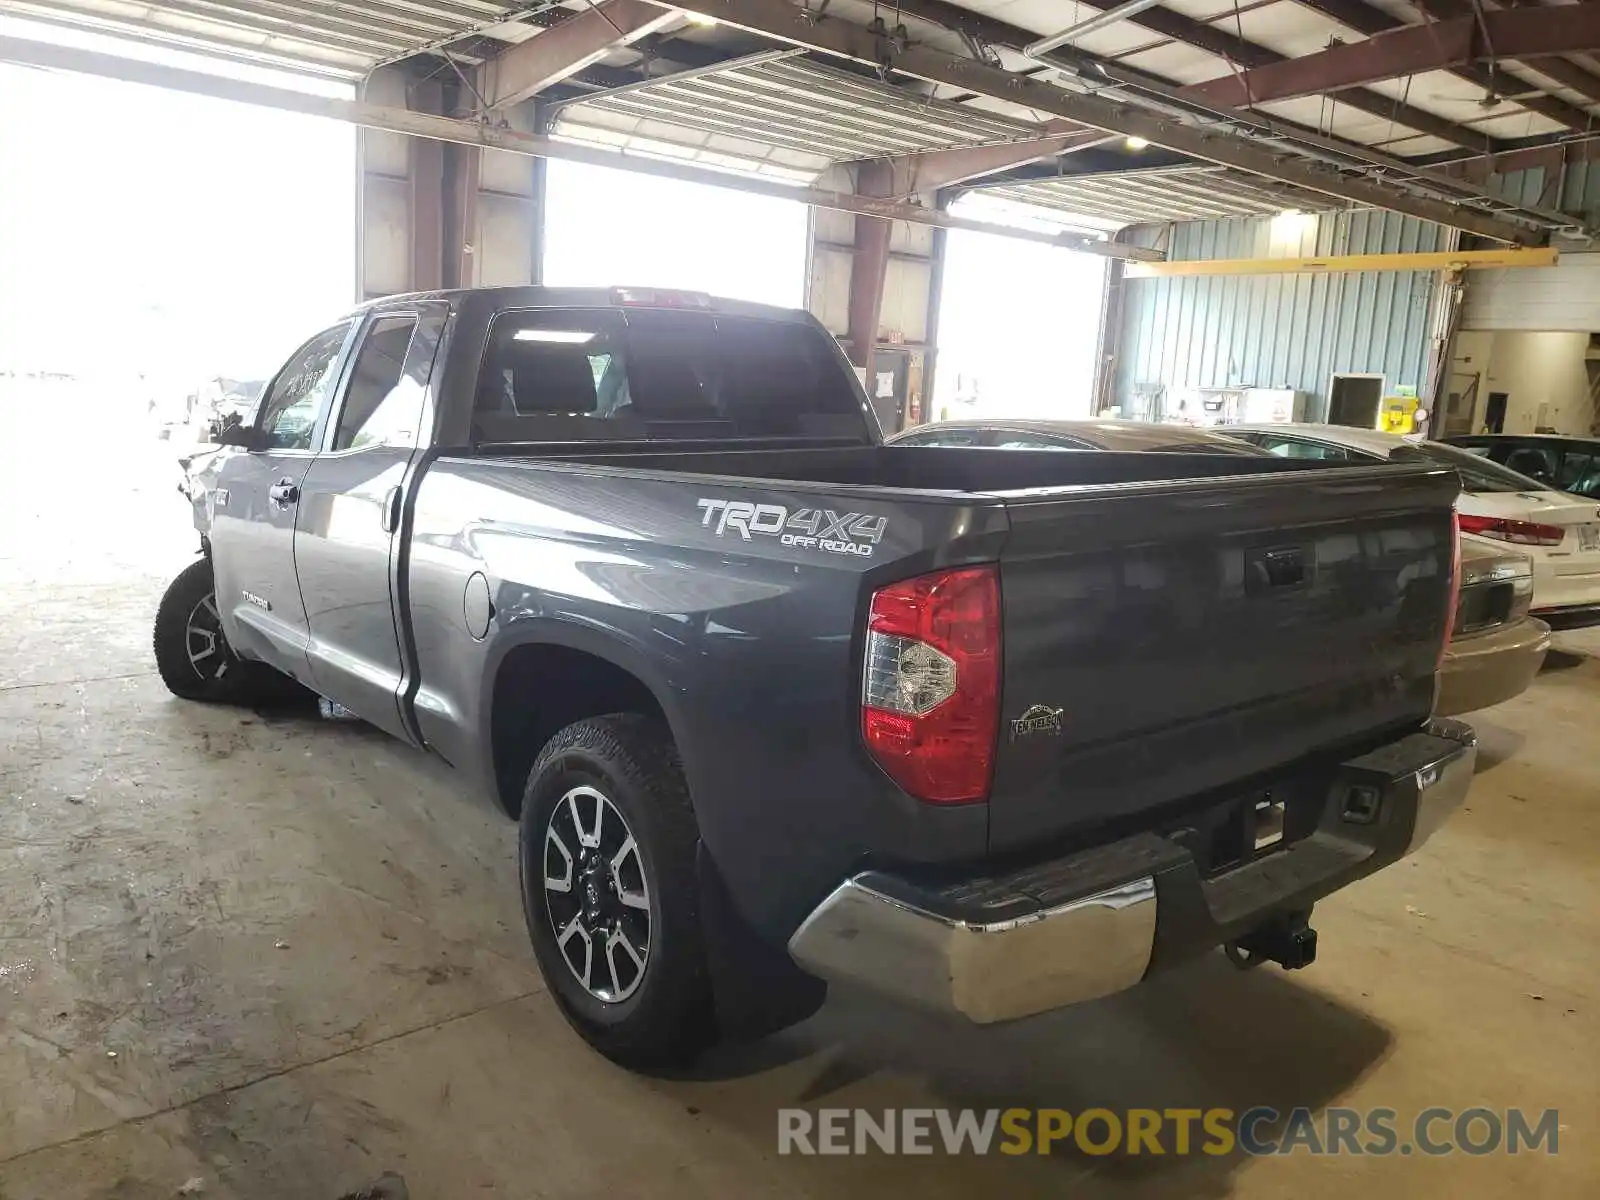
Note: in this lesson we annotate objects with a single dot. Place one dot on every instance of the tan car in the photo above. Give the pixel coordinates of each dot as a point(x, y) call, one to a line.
point(1495, 648)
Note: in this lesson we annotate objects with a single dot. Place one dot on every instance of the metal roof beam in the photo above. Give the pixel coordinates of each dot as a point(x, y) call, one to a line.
point(1439, 45)
point(785, 22)
point(1364, 18)
point(929, 170)
point(1568, 74)
point(1089, 161)
point(524, 70)
point(1216, 41)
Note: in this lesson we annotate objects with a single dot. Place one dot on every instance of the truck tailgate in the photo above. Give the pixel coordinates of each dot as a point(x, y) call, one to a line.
point(1164, 641)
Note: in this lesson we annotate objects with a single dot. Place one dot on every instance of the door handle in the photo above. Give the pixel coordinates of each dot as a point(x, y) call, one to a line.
point(1277, 567)
point(391, 510)
point(284, 493)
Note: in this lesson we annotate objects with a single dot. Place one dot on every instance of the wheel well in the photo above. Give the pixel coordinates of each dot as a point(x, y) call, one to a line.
point(539, 691)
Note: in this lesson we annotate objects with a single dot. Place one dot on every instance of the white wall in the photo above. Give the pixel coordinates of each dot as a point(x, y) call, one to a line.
point(1544, 376)
point(1565, 296)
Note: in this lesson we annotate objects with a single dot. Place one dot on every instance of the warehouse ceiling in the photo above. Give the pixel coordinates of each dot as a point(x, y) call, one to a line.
point(1410, 104)
point(1150, 197)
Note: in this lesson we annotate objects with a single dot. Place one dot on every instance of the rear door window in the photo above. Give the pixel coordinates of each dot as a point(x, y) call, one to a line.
point(563, 374)
point(1290, 447)
point(379, 407)
point(1476, 474)
point(1579, 473)
point(1536, 462)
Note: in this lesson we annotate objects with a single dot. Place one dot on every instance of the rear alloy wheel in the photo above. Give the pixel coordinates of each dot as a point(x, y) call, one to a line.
point(597, 894)
point(607, 857)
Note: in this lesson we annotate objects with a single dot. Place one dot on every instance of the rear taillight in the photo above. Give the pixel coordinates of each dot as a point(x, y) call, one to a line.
point(1523, 533)
point(930, 692)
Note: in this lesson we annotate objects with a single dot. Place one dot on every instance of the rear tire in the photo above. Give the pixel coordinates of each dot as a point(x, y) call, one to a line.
point(607, 857)
point(193, 655)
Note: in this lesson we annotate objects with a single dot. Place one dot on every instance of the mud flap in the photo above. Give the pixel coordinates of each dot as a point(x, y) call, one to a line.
point(756, 986)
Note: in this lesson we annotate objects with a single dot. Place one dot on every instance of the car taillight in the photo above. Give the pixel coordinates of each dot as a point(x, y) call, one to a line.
point(930, 691)
point(1523, 533)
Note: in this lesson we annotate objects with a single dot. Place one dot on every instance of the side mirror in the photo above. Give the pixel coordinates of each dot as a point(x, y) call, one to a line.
point(246, 437)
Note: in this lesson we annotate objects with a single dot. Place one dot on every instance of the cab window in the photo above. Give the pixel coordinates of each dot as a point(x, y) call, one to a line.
point(290, 409)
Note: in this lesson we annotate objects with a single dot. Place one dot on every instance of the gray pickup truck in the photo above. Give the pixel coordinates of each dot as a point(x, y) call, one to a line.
point(777, 705)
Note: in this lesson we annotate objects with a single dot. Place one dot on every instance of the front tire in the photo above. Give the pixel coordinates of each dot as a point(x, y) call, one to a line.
point(193, 655)
point(607, 849)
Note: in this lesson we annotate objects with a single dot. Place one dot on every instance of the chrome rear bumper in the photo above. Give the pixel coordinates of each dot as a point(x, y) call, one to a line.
point(994, 949)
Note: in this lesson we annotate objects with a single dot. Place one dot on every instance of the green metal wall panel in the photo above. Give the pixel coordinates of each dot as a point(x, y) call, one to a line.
point(1291, 331)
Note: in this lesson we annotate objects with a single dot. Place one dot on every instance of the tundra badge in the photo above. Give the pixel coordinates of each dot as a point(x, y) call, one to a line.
point(1041, 718)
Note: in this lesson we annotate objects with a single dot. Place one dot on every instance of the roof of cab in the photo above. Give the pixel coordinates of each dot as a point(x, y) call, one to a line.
point(515, 296)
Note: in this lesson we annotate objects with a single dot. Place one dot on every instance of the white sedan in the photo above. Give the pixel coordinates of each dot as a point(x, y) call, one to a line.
point(1560, 532)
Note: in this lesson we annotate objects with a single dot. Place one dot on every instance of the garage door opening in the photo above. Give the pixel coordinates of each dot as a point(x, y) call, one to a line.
point(606, 227)
point(175, 256)
point(1019, 327)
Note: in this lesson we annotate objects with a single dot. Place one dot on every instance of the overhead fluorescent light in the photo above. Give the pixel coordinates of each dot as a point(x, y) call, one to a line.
point(563, 337)
point(1136, 143)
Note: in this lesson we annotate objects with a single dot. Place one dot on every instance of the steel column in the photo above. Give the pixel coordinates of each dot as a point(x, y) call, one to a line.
point(869, 268)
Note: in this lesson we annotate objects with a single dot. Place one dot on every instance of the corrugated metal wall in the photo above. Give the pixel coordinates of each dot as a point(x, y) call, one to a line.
point(1578, 193)
point(1279, 330)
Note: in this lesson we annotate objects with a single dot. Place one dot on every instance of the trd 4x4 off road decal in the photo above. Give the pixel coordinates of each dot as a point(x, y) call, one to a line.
point(807, 528)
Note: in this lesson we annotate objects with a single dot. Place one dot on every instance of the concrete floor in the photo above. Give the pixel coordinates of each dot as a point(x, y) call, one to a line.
point(276, 958)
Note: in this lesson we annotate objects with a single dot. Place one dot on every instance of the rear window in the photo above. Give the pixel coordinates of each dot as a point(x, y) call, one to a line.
point(1208, 446)
point(569, 374)
point(1477, 474)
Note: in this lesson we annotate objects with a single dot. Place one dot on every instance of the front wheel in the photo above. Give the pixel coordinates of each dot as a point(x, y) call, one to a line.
point(193, 655)
point(607, 847)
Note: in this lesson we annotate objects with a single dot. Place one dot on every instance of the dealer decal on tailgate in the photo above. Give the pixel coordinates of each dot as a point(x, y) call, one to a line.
point(807, 528)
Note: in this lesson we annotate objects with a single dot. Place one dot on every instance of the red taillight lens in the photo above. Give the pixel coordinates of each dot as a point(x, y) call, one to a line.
point(1523, 533)
point(930, 693)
